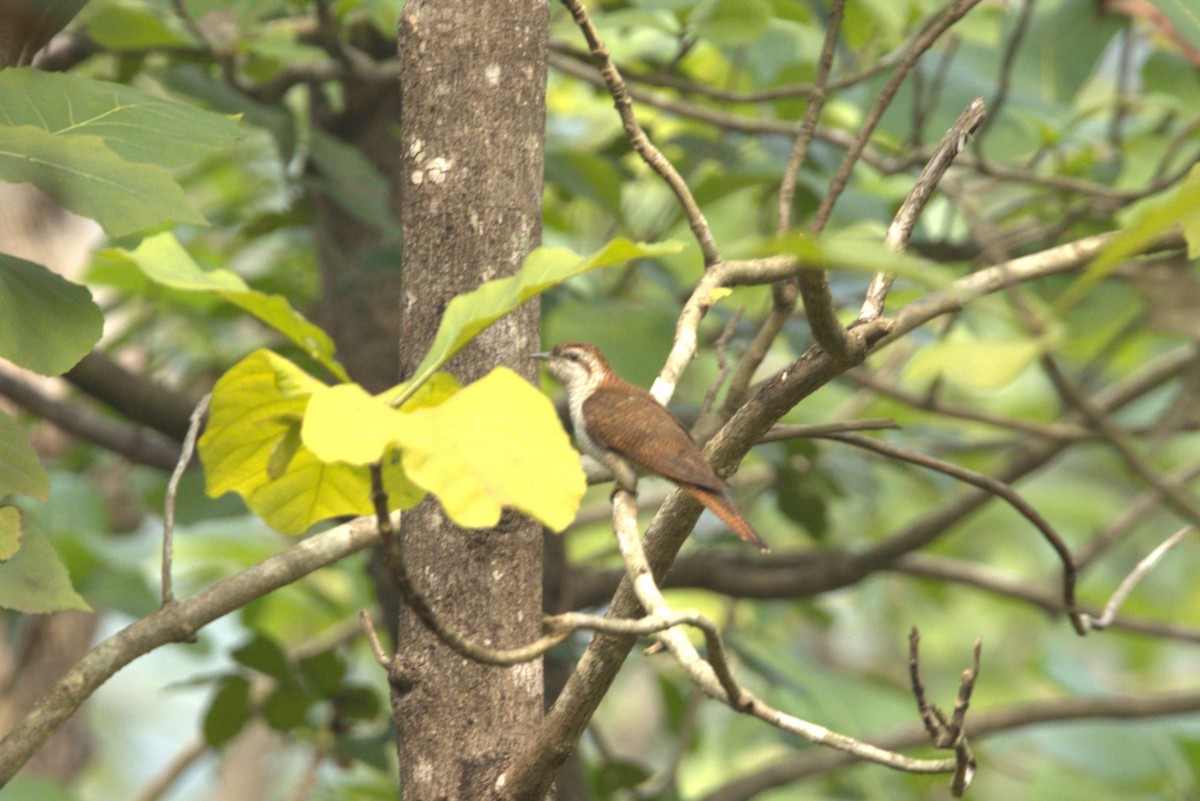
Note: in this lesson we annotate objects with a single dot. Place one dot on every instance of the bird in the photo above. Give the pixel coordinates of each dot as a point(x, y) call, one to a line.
point(623, 427)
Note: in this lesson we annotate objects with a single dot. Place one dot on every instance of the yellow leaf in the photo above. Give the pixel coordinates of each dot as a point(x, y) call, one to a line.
point(495, 443)
point(345, 424)
point(249, 448)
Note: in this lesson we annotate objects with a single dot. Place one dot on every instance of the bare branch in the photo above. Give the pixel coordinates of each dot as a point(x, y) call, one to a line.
point(898, 233)
point(368, 626)
point(137, 444)
point(802, 765)
point(812, 114)
point(1174, 496)
point(996, 487)
point(1135, 576)
point(942, 732)
point(394, 555)
point(793, 431)
point(178, 622)
point(714, 676)
point(185, 457)
point(1133, 513)
point(637, 137)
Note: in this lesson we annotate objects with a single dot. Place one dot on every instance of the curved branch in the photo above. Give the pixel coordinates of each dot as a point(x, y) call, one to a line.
point(177, 622)
point(983, 724)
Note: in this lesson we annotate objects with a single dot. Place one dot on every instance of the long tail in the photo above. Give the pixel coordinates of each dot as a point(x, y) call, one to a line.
point(723, 508)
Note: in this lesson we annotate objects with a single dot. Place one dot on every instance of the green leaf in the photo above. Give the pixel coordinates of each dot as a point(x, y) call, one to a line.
point(35, 581)
point(1153, 217)
point(263, 654)
point(851, 251)
point(82, 174)
point(50, 323)
point(467, 315)
point(135, 126)
point(286, 707)
point(12, 526)
point(165, 261)
point(228, 712)
point(124, 27)
point(255, 406)
point(988, 364)
point(731, 22)
point(21, 471)
point(324, 671)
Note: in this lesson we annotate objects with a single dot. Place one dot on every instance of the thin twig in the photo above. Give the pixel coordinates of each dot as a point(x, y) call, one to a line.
point(185, 457)
point(395, 558)
point(714, 676)
point(950, 15)
point(782, 431)
point(1131, 515)
point(898, 233)
point(812, 114)
point(1175, 497)
point(997, 488)
point(368, 626)
point(1135, 576)
point(1007, 63)
point(637, 137)
point(945, 733)
point(814, 284)
point(722, 362)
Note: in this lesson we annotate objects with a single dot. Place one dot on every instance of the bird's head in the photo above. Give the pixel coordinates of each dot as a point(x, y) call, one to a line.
point(579, 366)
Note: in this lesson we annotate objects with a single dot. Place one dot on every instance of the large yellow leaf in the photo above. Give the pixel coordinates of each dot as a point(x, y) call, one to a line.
point(250, 447)
point(345, 424)
point(492, 444)
point(496, 443)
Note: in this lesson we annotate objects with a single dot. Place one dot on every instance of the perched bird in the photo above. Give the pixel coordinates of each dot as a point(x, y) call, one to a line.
point(624, 428)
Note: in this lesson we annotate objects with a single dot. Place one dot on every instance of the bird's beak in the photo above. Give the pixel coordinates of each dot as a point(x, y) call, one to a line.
point(541, 357)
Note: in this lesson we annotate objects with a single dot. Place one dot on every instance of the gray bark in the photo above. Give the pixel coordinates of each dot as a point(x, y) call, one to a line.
point(473, 119)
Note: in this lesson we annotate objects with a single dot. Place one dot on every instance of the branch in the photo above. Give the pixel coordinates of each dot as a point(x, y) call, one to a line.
point(803, 765)
point(527, 778)
point(136, 444)
point(945, 733)
point(394, 555)
point(1174, 496)
point(812, 114)
point(1135, 576)
point(715, 677)
point(1052, 261)
point(178, 622)
point(139, 399)
point(898, 233)
point(185, 456)
point(997, 488)
point(814, 284)
point(637, 137)
point(970, 574)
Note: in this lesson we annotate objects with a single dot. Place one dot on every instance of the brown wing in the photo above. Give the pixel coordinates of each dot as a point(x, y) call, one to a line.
point(626, 421)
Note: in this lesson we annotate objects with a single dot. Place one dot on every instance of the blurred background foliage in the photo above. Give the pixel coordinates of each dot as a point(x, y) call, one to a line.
point(1092, 118)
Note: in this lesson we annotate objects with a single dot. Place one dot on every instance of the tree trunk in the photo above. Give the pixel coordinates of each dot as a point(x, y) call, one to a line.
point(473, 119)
